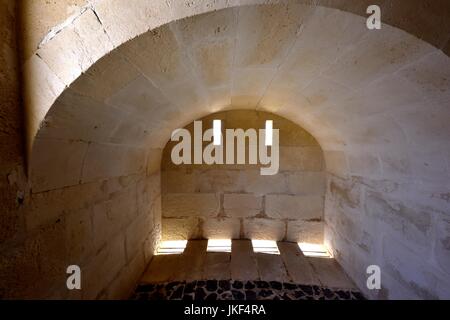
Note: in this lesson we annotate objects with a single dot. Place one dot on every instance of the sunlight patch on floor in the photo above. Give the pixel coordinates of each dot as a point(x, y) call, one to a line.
point(219, 245)
point(314, 250)
point(265, 246)
point(171, 247)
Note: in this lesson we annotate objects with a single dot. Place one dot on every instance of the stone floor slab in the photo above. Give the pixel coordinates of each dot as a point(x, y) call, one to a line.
point(298, 268)
point(243, 261)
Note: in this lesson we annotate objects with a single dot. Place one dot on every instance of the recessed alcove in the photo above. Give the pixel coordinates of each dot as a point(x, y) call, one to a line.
point(105, 84)
point(231, 201)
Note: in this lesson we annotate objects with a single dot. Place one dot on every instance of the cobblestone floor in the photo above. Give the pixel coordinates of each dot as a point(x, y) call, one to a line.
point(211, 290)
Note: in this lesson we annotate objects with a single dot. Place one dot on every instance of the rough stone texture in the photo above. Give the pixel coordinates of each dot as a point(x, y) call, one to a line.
point(95, 225)
point(242, 205)
point(212, 290)
point(248, 270)
point(305, 231)
point(323, 84)
point(221, 228)
point(18, 250)
point(180, 228)
point(264, 229)
point(190, 205)
point(294, 207)
point(240, 192)
point(243, 261)
point(13, 186)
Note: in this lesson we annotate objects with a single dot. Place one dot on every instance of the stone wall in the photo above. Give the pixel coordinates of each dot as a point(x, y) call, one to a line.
point(236, 201)
point(399, 225)
point(107, 222)
point(388, 157)
point(13, 182)
point(110, 228)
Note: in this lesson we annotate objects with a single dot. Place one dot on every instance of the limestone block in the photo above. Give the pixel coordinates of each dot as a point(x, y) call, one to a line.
point(148, 194)
point(52, 170)
point(69, 61)
point(185, 9)
point(156, 209)
point(136, 234)
point(390, 92)
point(131, 131)
point(47, 207)
point(190, 204)
point(141, 99)
point(297, 265)
point(408, 268)
point(105, 224)
point(243, 261)
point(191, 96)
point(324, 93)
point(305, 183)
point(295, 207)
point(330, 273)
point(346, 193)
point(377, 54)
point(360, 233)
point(220, 97)
point(52, 249)
point(151, 243)
point(112, 216)
point(266, 33)
point(179, 228)
point(122, 286)
point(13, 221)
point(104, 267)
point(214, 61)
point(395, 164)
point(242, 205)
point(271, 267)
point(36, 264)
point(431, 76)
point(305, 231)
point(97, 164)
point(154, 161)
point(257, 184)
point(249, 86)
point(301, 158)
point(219, 180)
point(124, 204)
point(326, 34)
point(105, 77)
point(217, 266)
point(264, 229)
point(396, 290)
point(79, 236)
point(221, 228)
point(442, 243)
point(165, 66)
point(43, 80)
point(336, 162)
point(78, 117)
point(123, 22)
point(210, 26)
point(174, 181)
point(51, 15)
point(429, 164)
point(411, 224)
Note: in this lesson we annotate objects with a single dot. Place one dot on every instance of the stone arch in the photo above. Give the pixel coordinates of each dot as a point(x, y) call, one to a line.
point(53, 57)
point(387, 155)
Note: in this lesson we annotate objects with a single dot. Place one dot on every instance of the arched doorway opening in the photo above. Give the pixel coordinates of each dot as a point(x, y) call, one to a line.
point(100, 136)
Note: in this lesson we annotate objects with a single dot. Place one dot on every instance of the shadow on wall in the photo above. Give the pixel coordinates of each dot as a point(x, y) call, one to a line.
point(388, 157)
point(236, 201)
